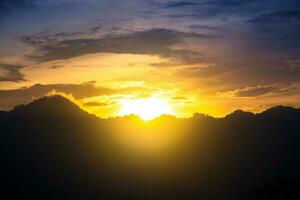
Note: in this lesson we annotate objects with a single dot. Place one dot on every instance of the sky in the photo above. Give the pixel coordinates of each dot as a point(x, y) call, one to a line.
point(206, 56)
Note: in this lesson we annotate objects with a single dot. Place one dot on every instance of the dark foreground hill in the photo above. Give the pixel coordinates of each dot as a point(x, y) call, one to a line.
point(51, 149)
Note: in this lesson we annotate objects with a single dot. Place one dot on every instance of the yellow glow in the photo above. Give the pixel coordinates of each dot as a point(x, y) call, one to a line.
point(147, 109)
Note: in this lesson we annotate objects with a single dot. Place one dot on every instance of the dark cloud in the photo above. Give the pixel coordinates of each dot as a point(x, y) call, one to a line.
point(257, 91)
point(265, 90)
point(150, 42)
point(10, 98)
point(46, 37)
point(11, 73)
point(278, 17)
point(178, 4)
point(212, 4)
point(79, 91)
point(229, 3)
point(95, 29)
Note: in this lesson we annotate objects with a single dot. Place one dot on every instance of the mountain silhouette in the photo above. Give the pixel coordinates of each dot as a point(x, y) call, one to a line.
point(51, 149)
point(54, 106)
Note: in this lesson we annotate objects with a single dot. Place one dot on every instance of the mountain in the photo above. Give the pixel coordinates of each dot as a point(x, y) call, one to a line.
point(54, 106)
point(51, 149)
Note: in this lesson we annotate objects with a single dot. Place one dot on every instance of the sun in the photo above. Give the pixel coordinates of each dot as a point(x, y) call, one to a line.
point(147, 109)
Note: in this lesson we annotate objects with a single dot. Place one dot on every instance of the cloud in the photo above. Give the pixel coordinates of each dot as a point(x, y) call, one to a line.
point(11, 73)
point(229, 3)
point(208, 9)
point(95, 104)
point(257, 91)
point(204, 26)
point(79, 91)
point(46, 37)
point(95, 29)
point(212, 4)
point(266, 75)
point(277, 18)
point(10, 98)
point(178, 4)
point(230, 77)
point(262, 90)
point(149, 42)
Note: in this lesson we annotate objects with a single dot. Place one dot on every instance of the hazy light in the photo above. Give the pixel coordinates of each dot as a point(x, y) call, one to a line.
point(147, 109)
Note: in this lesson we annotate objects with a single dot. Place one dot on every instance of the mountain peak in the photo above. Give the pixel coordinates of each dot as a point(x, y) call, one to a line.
point(280, 112)
point(239, 114)
point(57, 106)
point(280, 108)
point(48, 101)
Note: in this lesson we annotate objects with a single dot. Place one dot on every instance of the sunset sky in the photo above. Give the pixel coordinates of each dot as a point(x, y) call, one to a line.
point(206, 56)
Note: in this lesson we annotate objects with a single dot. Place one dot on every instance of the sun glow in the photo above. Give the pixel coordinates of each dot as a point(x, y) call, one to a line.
point(147, 109)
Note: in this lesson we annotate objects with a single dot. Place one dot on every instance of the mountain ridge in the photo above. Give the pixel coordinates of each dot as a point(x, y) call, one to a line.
point(51, 149)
